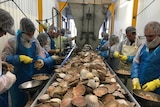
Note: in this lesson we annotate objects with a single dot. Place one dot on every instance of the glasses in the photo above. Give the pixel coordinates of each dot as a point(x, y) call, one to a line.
point(133, 33)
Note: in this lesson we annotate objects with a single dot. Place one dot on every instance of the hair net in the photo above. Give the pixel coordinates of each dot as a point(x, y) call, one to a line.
point(6, 22)
point(130, 29)
point(52, 28)
point(26, 25)
point(42, 37)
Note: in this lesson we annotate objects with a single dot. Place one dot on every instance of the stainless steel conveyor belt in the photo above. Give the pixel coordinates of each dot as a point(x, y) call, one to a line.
point(130, 97)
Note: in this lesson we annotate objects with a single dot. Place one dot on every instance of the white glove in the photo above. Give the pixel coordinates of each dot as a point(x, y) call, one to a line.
point(39, 64)
point(11, 79)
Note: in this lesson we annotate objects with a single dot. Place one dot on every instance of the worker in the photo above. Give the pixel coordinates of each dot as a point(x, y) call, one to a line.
point(61, 39)
point(146, 64)
point(103, 40)
point(7, 78)
point(22, 51)
point(50, 46)
point(128, 48)
point(113, 46)
point(102, 49)
point(126, 52)
point(49, 61)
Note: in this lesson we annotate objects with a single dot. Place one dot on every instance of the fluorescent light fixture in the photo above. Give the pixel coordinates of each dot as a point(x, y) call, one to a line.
point(124, 3)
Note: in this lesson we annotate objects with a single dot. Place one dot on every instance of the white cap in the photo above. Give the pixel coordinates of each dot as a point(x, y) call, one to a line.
point(6, 22)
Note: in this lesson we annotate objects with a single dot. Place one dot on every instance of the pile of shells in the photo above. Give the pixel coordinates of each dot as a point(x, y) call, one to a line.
point(84, 81)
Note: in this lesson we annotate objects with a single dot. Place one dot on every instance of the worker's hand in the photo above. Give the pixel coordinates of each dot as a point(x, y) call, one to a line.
point(39, 64)
point(56, 58)
point(7, 67)
point(152, 85)
point(136, 84)
point(116, 54)
point(25, 59)
point(57, 50)
point(123, 57)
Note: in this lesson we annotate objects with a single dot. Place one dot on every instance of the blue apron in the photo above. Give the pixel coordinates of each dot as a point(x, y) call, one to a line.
point(52, 45)
point(149, 69)
point(23, 73)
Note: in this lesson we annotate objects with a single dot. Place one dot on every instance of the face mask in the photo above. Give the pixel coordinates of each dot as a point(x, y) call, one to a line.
point(27, 38)
point(154, 43)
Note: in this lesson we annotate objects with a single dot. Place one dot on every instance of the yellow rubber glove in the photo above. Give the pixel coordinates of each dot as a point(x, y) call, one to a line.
point(151, 86)
point(123, 57)
point(25, 59)
point(116, 54)
point(57, 50)
point(136, 84)
point(39, 64)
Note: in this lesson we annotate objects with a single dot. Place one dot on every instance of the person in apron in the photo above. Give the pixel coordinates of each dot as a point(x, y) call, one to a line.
point(49, 61)
point(113, 46)
point(21, 51)
point(7, 79)
point(103, 46)
point(145, 72)
point(50, 47)
point(126, 53)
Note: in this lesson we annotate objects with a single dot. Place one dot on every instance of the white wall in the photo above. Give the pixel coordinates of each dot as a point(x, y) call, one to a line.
point(149, 14)
point(30, 8)
point(123, 16)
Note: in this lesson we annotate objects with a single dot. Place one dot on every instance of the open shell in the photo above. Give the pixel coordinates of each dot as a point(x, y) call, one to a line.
point(79, 101)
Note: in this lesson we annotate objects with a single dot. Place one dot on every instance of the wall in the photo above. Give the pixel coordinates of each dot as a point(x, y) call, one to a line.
point(151, 13)
point(123, 16)
point(30, 9)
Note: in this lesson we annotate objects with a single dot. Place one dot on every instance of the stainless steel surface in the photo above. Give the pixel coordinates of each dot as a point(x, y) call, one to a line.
point(30, 85)
point(43, 90)
point(88, 16)
point(67, 57)
point(147, 99)
point(130, 96)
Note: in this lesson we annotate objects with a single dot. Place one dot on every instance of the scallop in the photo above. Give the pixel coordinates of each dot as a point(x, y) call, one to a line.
point(92, 100)
point(100, 91)
point(79, 101)
point(79, 90)
point(44, 98)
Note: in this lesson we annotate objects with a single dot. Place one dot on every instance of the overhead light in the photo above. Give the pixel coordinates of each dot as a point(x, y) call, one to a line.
point(124, 3)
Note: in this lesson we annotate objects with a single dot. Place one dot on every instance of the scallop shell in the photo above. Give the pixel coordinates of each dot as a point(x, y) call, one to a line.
point(111, 104)
point(92, 100)
point(79, 101)
point(55, 100)
point(107, 98)
point(89, 75)
point(79, 90)
point(55, 84)
point(92, 83)
point(100, 91)
point(61, 75)
point(83, 73)
point(68, 77)
point(44, 98)
point(63, 84)
point(66, 102)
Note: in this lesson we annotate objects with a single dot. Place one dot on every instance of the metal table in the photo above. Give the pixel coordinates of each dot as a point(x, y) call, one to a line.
point(131, 98)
